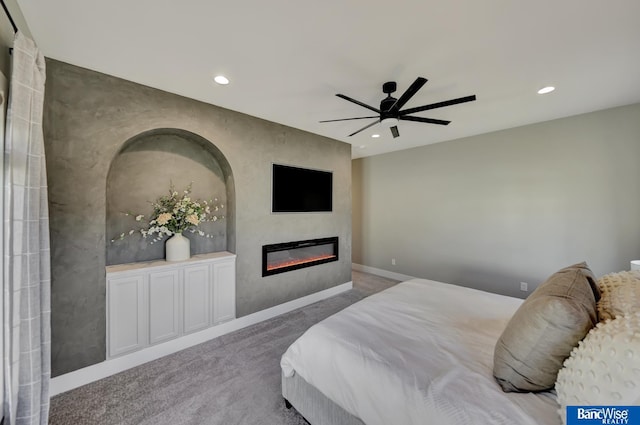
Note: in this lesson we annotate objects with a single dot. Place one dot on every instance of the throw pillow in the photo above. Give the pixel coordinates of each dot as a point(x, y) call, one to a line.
point(544, 330)
point(605, 368)
point(620, 294)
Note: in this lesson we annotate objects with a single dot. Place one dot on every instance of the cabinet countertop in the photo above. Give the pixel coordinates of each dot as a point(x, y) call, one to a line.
point(116, 268)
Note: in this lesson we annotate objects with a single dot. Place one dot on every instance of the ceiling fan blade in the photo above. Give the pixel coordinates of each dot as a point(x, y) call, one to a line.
point(348, 119)
point(394, 131)
point(427, 120)
point(357, 102)
point(438, 105)
point(364, 128)
point(408, 94)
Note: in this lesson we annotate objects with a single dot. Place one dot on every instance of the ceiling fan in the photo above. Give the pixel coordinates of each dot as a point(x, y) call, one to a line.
point(391, 112)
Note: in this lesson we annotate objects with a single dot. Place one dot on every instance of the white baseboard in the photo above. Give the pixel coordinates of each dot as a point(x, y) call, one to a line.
point(109, 367)
point(381, 272)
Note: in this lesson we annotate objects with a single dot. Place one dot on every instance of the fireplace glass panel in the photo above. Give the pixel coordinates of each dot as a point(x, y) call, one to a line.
point(279, 258)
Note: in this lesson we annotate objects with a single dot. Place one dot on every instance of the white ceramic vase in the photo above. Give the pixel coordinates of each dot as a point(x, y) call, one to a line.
point(178, 248)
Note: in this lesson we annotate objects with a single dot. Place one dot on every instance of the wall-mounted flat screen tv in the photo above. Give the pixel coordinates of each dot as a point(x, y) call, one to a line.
point(301, 190)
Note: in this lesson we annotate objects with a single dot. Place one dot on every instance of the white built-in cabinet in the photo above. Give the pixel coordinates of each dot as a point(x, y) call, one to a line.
point(164, 305)
point(126, 314)
point(196, 303)
point(152, 302)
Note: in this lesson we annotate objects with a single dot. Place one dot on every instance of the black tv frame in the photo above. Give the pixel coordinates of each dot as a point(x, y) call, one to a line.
point(300, 180)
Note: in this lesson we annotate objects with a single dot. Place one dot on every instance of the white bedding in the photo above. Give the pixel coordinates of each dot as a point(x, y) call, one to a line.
point(419, 352)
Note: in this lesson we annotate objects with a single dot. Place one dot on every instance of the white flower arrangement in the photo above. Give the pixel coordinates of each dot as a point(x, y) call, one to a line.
point(175, 213)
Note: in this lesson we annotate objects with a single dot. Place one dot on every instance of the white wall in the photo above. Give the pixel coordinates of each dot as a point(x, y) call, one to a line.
point(492, 210)
point(7, 34)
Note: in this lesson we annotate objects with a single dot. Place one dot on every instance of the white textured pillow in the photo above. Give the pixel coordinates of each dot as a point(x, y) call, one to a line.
point(604, 369)
point(620, 294)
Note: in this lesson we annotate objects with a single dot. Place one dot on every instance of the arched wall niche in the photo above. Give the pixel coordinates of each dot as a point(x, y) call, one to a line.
point(144, 169)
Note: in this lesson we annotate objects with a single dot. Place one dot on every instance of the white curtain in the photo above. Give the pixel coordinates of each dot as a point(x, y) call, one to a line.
point(26, 266)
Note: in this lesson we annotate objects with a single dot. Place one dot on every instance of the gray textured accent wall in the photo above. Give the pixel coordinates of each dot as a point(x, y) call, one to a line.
point(493, 210)
point(88, 119)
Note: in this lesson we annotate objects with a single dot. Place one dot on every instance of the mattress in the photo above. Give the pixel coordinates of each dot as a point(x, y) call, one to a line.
point(419, 350)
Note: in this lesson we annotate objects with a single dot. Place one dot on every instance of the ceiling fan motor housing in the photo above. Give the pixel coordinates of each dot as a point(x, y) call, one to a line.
point(386, 108)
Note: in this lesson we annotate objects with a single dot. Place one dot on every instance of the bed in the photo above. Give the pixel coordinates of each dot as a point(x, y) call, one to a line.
point(419, 352)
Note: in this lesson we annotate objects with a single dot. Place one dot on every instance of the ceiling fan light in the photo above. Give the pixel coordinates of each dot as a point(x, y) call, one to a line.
point(389, 122)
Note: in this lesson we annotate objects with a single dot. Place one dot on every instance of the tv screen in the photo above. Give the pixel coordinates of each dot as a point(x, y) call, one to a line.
point(301, 190)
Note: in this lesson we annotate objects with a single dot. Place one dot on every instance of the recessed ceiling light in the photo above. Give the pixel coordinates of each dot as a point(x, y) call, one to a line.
point(362, 146)
point(375, 136)
point(221, 79)
point(546, 90)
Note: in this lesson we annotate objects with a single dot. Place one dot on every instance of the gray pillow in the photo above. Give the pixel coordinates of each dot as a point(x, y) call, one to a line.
point(544, 330)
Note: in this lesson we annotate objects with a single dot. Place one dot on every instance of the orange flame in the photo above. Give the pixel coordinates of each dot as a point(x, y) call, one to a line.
point(295, 262)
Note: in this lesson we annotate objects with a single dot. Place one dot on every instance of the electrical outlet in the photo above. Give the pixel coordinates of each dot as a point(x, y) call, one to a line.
point(393, 261)
point(524, 286)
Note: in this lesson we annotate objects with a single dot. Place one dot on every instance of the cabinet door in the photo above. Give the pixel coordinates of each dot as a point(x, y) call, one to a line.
point(127, 320)
point(164, 306)
point(224, 291)
point(196, 297)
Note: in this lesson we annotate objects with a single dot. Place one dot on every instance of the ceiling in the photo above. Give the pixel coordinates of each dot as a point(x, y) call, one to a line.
point(287, 59)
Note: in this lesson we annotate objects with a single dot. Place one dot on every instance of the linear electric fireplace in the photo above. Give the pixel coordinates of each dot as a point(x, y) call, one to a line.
point(283, 257)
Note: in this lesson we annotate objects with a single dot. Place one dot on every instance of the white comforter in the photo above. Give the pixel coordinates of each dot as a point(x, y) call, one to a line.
point(420, 352)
